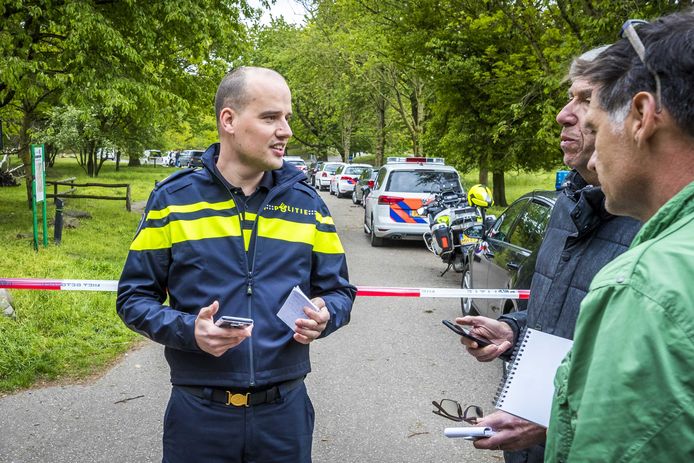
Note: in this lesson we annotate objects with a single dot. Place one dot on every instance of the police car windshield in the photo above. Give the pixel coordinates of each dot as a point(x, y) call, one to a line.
point(423, 181)
point(355, 170)
point(331, 168)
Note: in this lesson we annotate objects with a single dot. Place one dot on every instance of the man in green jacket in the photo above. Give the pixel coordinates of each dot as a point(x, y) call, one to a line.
point(626, 391)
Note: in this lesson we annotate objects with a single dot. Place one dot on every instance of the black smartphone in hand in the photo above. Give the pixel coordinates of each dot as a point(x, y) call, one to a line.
point(233, 322)
point(462, 331)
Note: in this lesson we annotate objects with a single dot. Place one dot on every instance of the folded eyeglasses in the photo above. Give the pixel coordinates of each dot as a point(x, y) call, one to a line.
point(452, 410)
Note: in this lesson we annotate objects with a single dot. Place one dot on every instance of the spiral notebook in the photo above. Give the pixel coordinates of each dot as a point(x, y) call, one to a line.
point(528, 388)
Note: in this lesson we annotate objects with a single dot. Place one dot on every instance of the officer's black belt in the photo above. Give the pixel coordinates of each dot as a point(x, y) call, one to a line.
point(243, 398)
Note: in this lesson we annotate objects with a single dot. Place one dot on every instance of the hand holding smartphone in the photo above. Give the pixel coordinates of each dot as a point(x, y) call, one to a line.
point(233, 322)
point(466, 333)
point(469, 432)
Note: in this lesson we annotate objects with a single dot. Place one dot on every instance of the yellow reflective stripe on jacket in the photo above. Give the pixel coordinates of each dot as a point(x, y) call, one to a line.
point(161, 213)
point(324, 220)
point(247, 239)
point(248, 217)
point(186, 230)
point(285, 230)
point(327, 243)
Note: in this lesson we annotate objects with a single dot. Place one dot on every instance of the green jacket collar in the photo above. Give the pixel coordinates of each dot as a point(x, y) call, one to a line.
point(679, 206)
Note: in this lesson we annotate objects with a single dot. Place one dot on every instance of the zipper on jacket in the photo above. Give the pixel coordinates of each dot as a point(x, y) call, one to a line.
point(249, 288)
point(249, 270)
point(250, 266)
point(249, 292)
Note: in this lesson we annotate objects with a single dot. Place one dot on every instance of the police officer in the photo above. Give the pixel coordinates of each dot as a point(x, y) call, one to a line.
point(233, 238)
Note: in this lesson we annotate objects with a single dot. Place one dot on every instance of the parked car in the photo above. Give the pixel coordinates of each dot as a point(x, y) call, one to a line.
point(190, 158)
point(400, 188)
point(364, 184)
point(196, 158)
point(504, 257)
point(154, 157)
point(316, 167)
point(106, 153)
point(297, 162)
point(183, 158)
point(326, 173)
point(345, 178)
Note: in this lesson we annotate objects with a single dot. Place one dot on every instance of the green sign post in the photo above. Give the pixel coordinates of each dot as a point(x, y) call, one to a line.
point(38, 193)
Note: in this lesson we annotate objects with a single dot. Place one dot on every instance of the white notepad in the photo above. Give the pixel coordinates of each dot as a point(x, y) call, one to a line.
point(529, 387)
point(293, 307)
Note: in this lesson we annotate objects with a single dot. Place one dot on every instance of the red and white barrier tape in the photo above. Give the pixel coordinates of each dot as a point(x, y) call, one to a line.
point(444, 292)
point(59, 285)
point(372, 291)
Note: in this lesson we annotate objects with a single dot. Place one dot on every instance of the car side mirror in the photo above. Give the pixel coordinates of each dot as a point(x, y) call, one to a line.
point(476, 231)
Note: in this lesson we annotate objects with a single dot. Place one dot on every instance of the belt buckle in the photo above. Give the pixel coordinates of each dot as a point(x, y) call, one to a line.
point(237, 400)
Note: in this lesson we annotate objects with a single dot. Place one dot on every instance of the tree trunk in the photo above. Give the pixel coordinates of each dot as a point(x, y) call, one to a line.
point(90, 159)
point(25, 153)
point(117, 160)
point(484, 176)
point(418, 113)
point(51, 154)
point(133, 161)
point(380, 130)
point(346, 137)
point(499, 189)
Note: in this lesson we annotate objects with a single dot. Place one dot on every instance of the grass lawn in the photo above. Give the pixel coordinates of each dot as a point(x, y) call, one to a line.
point(517, 184)
point(64, 335)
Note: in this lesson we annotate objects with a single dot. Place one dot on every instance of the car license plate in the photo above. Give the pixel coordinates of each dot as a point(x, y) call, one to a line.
point(464, 239)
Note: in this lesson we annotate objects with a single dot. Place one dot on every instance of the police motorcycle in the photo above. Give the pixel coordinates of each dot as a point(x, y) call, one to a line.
point(449, 215)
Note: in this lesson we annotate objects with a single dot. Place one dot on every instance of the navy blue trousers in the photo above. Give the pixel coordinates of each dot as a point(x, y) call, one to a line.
point(199, 431)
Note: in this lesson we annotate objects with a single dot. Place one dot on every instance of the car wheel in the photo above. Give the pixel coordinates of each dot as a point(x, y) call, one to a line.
point(466, 283)
point(375, 240)
point(354, 198)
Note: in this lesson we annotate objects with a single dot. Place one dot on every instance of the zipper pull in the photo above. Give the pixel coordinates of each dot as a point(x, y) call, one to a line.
point(249, 288)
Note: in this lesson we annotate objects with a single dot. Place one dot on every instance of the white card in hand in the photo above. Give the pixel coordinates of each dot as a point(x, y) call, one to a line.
point(293, 307)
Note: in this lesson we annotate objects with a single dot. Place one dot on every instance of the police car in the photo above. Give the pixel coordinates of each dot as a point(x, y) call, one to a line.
point(401, 186)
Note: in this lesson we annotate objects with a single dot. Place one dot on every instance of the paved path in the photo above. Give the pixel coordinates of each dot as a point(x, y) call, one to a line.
point(116, 418)
point(372, 382)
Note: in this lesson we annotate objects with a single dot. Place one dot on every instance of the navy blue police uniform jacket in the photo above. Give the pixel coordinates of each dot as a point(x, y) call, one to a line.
point(192, 248)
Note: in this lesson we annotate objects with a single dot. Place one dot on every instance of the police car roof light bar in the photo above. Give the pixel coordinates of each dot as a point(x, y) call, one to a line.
point(398, 160)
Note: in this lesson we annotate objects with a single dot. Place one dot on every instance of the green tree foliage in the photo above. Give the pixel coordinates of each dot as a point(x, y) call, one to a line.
point(478, 82)
point(132, 65)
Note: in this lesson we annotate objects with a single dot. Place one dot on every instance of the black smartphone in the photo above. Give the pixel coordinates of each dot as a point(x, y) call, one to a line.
point(233, 322)
point(462, 331)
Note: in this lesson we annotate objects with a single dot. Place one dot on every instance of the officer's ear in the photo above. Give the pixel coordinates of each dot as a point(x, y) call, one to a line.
point(227, 119)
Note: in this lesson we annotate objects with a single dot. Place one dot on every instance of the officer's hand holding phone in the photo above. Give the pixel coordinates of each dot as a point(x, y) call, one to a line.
point(215, 339)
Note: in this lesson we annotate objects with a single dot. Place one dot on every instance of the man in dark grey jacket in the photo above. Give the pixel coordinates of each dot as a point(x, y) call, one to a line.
point(581, 238)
